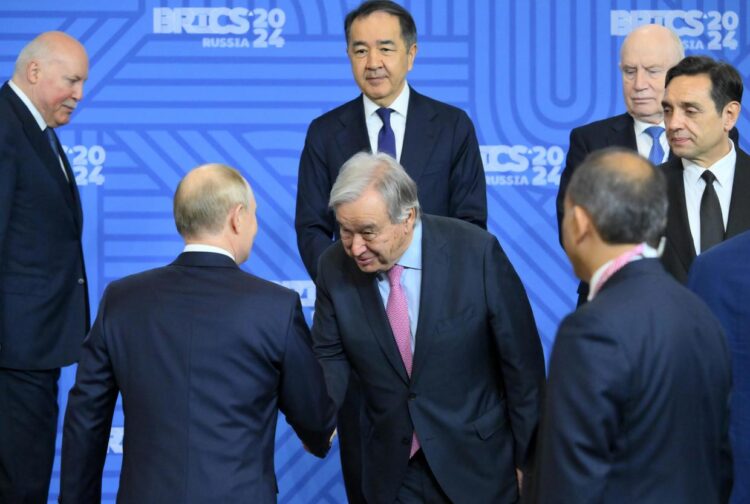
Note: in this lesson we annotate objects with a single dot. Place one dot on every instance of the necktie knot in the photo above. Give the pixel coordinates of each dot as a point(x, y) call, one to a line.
point(52, 140)
point(394, 275)
point(655, 132)
point(708, 176)
point(384, 114)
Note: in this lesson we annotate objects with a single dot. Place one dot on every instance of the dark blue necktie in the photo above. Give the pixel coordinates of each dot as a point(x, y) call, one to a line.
point(386, 137)
point(53, 143)
point(712, 222)
point(656, 156)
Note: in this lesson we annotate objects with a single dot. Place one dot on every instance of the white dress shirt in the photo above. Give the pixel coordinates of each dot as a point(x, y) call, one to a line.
point(644, 141)
point(723, 169)
point(200, 247)
point(37, 117)
point(400, 106)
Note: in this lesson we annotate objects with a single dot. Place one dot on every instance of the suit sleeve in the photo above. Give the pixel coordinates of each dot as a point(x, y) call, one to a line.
point(468, 189)
point(577, 152)
point(302, 392)
point(327, 344)
point(88, 418)
point(8, 171)
point(313, 222)
point(520, 351)
point(587, 382)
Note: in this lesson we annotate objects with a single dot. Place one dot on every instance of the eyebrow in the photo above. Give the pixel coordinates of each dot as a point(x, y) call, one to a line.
point(377, 42)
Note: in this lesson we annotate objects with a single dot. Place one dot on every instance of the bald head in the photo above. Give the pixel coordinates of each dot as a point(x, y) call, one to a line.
point(646, 55)
point(51, 71)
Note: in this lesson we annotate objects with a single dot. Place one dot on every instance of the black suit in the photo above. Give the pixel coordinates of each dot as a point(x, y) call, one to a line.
point(478, 372)
point(679, 251)
point(637, 403)
point(43, 295)
point(440, 152)
point(205, 355)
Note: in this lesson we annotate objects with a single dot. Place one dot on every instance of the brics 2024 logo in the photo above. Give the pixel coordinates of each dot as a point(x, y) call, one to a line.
point(712, 30)
point(521, 165)
point(224, 27)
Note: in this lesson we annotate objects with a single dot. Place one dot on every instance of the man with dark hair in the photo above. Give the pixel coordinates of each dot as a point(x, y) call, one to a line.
point(636, 408)
point(431, 316)
point(708, 182)
point(44, 310)
point(205, 356)
point(433, 141)
point(721, 277)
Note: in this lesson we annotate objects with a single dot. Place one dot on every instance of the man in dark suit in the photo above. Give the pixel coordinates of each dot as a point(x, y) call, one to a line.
point(44, 312)
point(435, 142)
point(645, 56)
point(205, 355)
point(708, 180)
point(636, 408)
point(721, 277)
point(430, 314)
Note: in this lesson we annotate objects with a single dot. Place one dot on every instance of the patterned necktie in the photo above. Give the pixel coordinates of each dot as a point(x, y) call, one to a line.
point(712, 222)
point(398, 316)
point(386, 137)
point(656, 156)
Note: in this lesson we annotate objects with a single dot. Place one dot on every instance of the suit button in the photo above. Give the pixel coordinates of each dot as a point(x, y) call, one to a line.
point(81, 281)
point(412, 396)
point(405, 440)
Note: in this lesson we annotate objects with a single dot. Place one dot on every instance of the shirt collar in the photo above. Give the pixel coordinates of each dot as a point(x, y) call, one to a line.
point(412, 257)
point(641, 126)
point(400, 105)
point(723, 169)
point(648, 252)
point(201, 247)
point(29, 105)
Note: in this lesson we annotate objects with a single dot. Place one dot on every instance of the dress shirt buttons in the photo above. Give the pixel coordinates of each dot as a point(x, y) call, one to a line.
point(81, 281)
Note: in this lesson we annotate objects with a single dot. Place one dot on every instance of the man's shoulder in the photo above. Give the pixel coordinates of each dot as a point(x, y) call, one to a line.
point(335, 115)
point(455, 231)
point(423, 102)
point(601, 126)
point(723, 254)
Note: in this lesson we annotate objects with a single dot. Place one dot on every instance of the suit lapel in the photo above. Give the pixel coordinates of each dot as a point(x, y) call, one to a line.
point(377, 320)
point(435, 269)
point(739, 207)
point(419, 138)
point(622, 133)
point(352, 137)
point(678, 226)
point(41, 146)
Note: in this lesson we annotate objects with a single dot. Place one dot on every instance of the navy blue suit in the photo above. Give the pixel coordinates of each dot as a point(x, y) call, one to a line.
point(679, 251)
point(440, 153)
point(721, 277)
point(44, 311)
point(478, 371)
point(204, 355)
point(637, 403)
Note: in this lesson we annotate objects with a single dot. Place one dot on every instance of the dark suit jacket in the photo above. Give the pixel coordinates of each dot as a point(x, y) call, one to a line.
point(43, 293)
point(636, 408)
point(679, 251)
point(721, 277)
point(440, 153)
point(478, 371)
point(617, 131)
point(204, 355)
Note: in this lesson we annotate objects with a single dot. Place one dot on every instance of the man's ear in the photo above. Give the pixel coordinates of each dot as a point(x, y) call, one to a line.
point(730, 115)
point(581, 225)
point(33, 71)
point(235, 219)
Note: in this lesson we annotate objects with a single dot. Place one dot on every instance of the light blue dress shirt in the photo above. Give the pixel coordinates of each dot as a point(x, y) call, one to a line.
point(411, 279)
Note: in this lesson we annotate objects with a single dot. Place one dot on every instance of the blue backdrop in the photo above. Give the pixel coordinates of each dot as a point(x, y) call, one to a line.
point(174, 84)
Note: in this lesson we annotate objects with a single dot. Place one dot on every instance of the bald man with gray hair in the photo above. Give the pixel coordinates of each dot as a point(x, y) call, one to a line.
point(44, 313)
point(205, 355)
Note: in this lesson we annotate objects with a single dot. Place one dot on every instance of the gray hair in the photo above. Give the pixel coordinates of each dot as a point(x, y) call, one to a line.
point(204, 198)
point(384, 174)
point(624, 194)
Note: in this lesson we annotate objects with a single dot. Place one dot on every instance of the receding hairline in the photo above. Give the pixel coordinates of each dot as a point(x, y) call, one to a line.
point(49, 46)
point(656, 31)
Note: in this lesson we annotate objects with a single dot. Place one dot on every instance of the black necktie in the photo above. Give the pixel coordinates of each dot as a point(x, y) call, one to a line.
point(386, 137)
point(712, 223)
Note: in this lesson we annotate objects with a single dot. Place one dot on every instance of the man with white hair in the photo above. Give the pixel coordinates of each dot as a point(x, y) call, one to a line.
point(430, 314)
point(44, 312)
